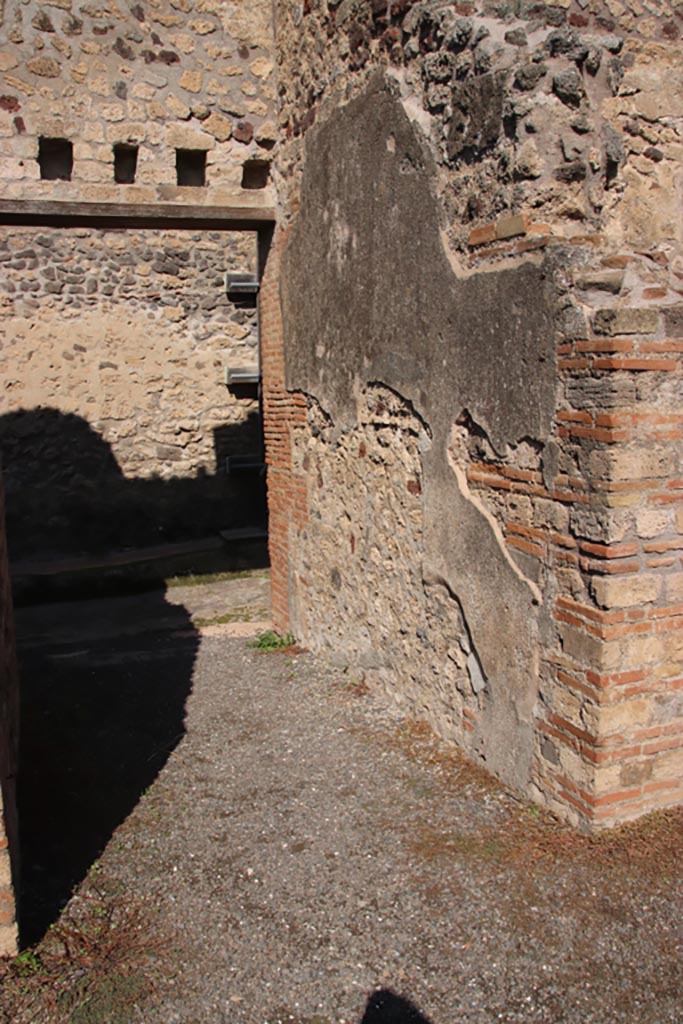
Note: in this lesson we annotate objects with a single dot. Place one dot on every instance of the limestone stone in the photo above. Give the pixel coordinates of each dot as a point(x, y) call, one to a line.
point(177, 107)
point(626, 321)
point(191, 81)
point(261, 68)
point(673, 586)
point(257, 107)
point(624, 715)
point(8, 61)
point(19, 85)
point(79, 72)
point(143, 91)
point(155, 79)
point(625, 591)
point(267, 132)
point(218, 126)
point(202, 26)
point(650, 522)
point(189, 137)
point(167, 19)
point(183, 42)
point(636, 463)
point(113, 112)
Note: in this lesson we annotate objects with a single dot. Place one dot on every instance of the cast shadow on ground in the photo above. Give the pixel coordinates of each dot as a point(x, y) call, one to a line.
point(100, 715)
point(102, 701)
point(386, 1007)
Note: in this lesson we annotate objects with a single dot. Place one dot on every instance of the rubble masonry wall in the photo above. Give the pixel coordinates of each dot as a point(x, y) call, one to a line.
point(158, 74)
point(119, 340)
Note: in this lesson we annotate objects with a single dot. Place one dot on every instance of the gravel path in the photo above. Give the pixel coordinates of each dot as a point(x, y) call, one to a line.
point(302, 846)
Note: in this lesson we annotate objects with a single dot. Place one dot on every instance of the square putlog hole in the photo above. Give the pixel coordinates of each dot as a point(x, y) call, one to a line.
point(255, 173)
point(190, 165)
point(55, 159)
point(125, 164)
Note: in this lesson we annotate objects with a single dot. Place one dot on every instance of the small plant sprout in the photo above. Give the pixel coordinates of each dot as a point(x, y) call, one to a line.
point(272, 641)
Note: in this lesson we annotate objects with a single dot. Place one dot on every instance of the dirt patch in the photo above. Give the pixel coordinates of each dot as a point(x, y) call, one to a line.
point(96, 964)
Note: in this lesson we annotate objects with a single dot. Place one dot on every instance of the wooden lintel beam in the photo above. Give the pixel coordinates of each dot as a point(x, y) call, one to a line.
point(53, 213)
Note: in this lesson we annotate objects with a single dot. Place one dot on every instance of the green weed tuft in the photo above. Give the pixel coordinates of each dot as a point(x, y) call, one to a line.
point(272, 641)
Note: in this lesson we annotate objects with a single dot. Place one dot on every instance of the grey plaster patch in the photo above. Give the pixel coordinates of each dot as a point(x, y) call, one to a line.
point(370, 294)
point(477, 678)
point(384, 303)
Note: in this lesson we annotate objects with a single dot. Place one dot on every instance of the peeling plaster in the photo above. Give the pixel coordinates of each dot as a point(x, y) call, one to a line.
point(463, 486)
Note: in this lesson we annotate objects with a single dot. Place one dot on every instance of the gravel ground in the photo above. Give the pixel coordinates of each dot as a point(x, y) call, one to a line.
point(300, 846)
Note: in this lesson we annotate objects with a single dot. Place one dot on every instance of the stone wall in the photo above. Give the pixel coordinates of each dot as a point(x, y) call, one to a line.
point(160, 75)
point(9, 733)
point(115, 421)
point(125, 336)
point(121, 339)
point(477, 400)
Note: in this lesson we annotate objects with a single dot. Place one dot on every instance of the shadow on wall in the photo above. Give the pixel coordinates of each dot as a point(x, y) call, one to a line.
point(66, 494)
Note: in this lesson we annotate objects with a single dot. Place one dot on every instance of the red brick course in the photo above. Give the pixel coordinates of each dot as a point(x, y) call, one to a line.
point(626, 724)
point(282, 411)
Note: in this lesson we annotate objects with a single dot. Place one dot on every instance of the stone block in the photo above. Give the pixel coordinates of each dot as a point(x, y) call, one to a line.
point(673, 587)
point(266, 134)
point(633, 652)
point(625, 321)
point(189, 137)
point(219, 126)
point(202, 26)
point(600, 280)
point(624, 715)
point(625, 591)
point(191, 81)
point(670, 765)
point(261, 67)
point(177, 107)
point(581, 647)
point(632, 463)
point(673, 321)
point(44, 67)
point(143, 91)
point(183, 42)
point(650, 522)
point(112, 112)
